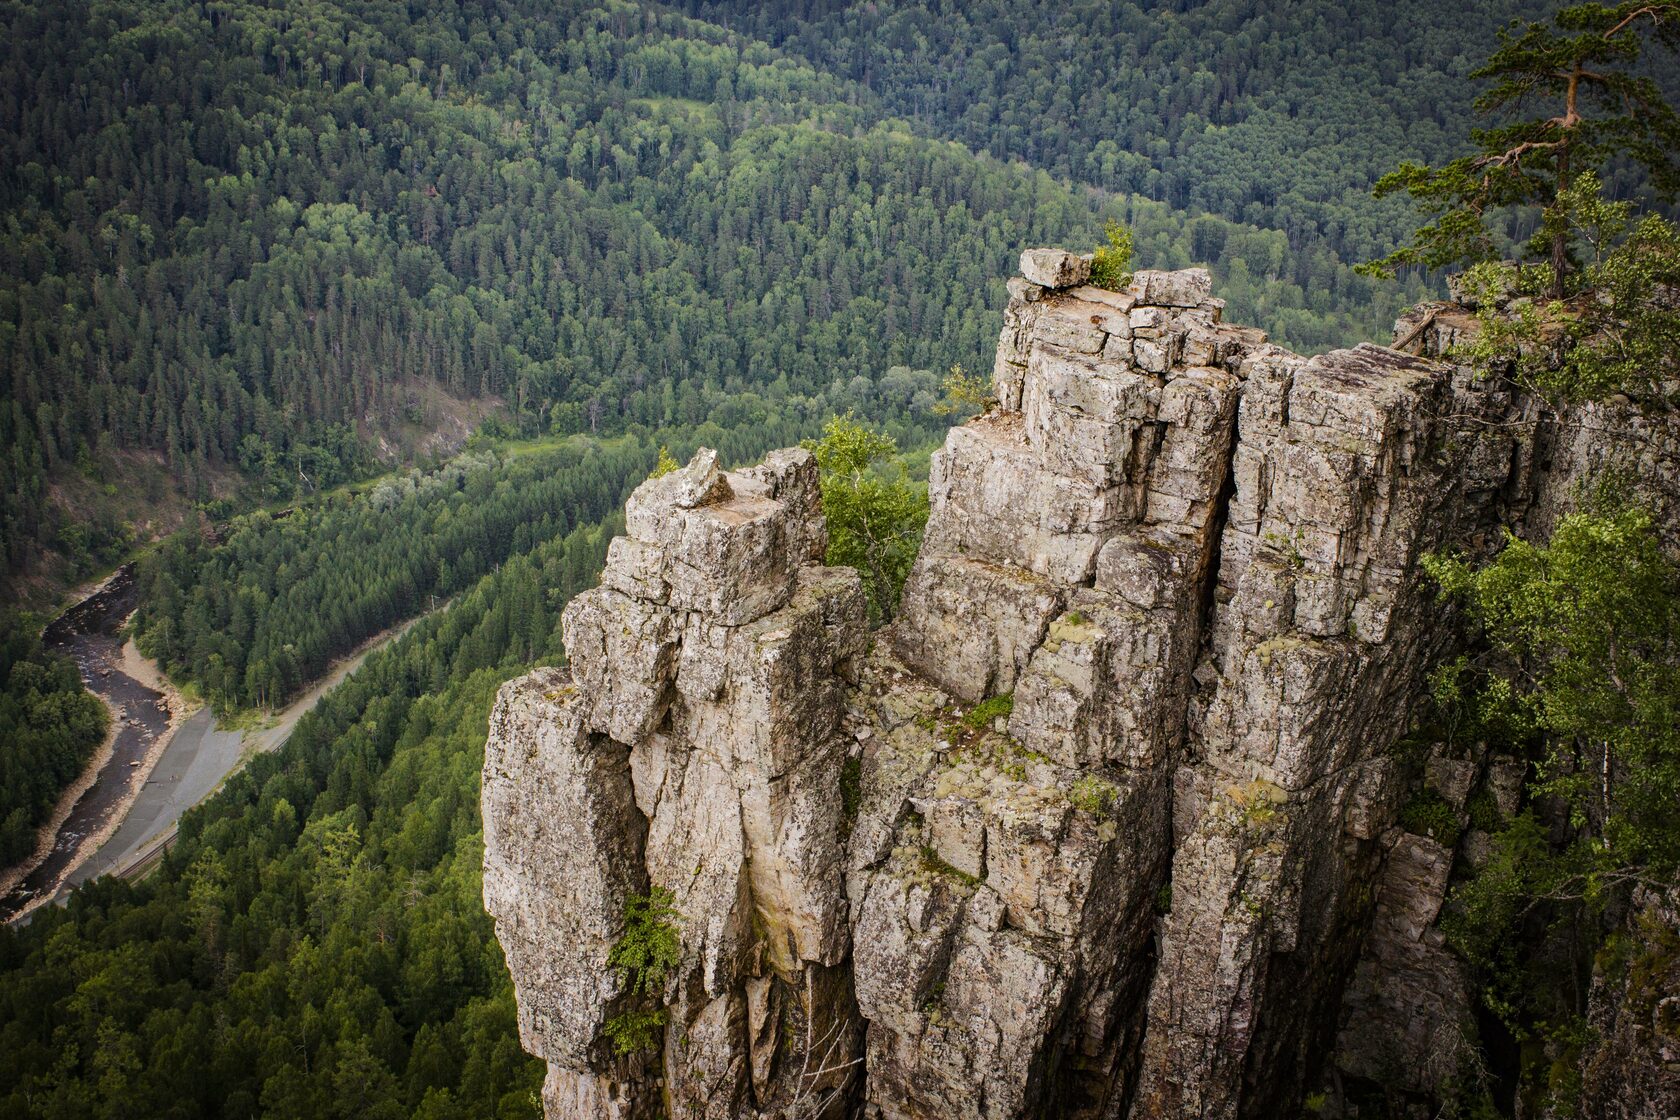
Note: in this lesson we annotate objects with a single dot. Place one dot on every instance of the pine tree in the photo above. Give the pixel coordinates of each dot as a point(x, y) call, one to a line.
point(1586, 69)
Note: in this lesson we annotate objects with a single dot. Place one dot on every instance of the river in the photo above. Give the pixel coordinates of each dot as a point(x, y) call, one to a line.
point(194, 759)
point(87, 632)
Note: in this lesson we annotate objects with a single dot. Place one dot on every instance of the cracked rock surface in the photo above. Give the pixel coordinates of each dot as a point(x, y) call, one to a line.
point(1104, 823)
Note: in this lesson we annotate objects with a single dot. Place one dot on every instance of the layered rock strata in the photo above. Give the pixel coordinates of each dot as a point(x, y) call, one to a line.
point(1348, 468)
point(1066, 564)
point(693, 748)
point(1100, 826)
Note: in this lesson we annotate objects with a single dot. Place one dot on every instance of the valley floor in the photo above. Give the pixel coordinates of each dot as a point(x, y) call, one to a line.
point(160, 762)
point(198, 757)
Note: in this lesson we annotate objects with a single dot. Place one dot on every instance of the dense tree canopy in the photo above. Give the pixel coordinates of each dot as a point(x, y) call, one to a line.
point(49, 727)
point(314, 945)
point(269, 244)
point(261, 614)
point(1565, 98)
point(1281, 115)
point(1576, 672)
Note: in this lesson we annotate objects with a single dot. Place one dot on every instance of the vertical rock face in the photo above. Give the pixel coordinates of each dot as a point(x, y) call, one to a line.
point(1347, 469)
point(694, 749)
point(1066, 563)
point(1634, 1070)
point(1102, 825)
point(1406, 1007)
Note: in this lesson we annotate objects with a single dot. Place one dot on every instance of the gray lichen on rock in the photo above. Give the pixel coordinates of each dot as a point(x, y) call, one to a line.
point(1190, 557)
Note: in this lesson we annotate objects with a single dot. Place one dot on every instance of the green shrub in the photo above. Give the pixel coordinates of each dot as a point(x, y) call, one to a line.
point(982, 714)
point(644, 955)
point(1484, 811)
point(665, 464)
point(875, 511)
point(648, 948)
point(1428, 814)
point(965, 394)
point(851, 793)
point(1111, 264)
point(1092, 794)
point(632, 1031)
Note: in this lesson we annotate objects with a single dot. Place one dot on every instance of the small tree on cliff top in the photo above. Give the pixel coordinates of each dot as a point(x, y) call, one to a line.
point(875, 513)
point(1582, 71)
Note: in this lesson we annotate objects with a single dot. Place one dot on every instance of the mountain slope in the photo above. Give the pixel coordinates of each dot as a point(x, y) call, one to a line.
point(1282, 115)
point(271, 246)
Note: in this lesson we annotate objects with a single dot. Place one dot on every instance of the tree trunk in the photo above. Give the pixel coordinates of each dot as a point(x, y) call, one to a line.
point(1560, 224)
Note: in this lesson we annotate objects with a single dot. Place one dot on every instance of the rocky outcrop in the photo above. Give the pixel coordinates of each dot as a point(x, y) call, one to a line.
point(1632, 1068)
point(1348, 468)
point(1407, 1022)
point(694, 749)
point(1103, 825)
point(1066, 564)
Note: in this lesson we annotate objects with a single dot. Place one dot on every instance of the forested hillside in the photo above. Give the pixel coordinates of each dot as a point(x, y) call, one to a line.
point(49, 727)
point(262, 614)
point(251, 252)
point(1282, 115)
point(258, 250)
point(314, 945)
point(263, 265)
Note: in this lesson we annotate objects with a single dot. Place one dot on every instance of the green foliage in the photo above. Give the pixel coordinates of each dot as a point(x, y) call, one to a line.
point(315, 945)
point(644, 954)
point(268, 256)
point(1512, 321)
point(1259, 804)
point(1595, 104)
point(49, 727)
point(1428, 814)
point(1483, 811)
point(255, 619)
point(1506, 922)
point(851, 793)
point(1094, 795)
point(875, 513)
point(665, 464)
point(649, 946)
point(985, 713)
point(1581, 667)
point(634, 1031)
point(1586, 636)
point(1278, 115)
point(1619, 332)
point(1627, 337)
point(965, 394)
point(1111, 264)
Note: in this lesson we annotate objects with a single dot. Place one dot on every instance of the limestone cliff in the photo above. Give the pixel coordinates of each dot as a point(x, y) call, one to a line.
point(1161, 879)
